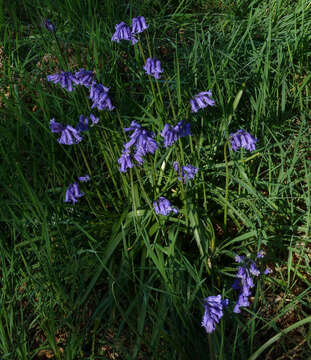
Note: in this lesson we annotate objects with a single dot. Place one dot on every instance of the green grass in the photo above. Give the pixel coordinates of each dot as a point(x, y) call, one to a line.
point(107, 276)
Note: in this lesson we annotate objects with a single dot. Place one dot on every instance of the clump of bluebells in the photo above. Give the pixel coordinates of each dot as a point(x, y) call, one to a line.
point(243, 283)
point(141, 143)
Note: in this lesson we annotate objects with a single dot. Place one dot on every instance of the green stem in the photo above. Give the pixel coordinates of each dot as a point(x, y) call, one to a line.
point(227, 185)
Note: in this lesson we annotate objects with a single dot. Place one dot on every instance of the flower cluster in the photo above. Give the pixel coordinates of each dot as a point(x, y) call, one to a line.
point(153, 67)
point(201, 101)
point(172, 134)
point(187, 172)
point(99, 96)
point(244, 279)
point(73, 192)
point(65, 78)
point(213, 312)
point(163, 206)
point(123, 31)
point(144, 143)
point(243, 139)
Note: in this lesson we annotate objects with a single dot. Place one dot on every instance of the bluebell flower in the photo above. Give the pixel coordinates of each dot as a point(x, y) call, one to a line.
point(144, 143)
point(70, 136)
point(123, 32)
point(187, 172)
point(56, 127)
point(260, 254)
point(73, 193)
point(94, 119)
point(49, 25)
point(267, 271)
point(243, 139)
point(153, 67)
point(64, 78)
point(83, 123)
point(163, 206)
point(201, 101)
point(83, 77)
point(239, 258)
point(139, 25)
point(125, 160)
point(172, 134)
point(213, 312)
point(84, 178)
point(99, 96)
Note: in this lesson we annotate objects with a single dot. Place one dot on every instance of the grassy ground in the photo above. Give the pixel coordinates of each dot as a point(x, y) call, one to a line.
point(106, 278)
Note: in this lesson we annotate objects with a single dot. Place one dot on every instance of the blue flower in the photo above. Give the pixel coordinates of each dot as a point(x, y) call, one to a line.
point(139, 25)
point(48, 25)
point(64, 78)
point(83, 77)
point(163, 206)
point(213, 312)
point(56, 127)
point(83, 123)
point(123, 32)
point(153, 67)
point(73, 193)
point(84, 178)
point(172, 134)
point(187, 172)
point(144, 143)
point(99, 96)
point(201, 101)
point(69, 135)
point(243, 139)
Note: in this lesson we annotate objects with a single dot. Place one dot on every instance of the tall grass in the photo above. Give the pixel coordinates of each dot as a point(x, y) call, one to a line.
point(107, 277)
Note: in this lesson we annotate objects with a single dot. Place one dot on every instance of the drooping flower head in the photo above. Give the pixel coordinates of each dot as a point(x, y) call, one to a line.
point(143, 142)
point(213, 312)
point(163, 206)
point(123, 32)
point(243, 139)
point(49, 25)
point(172, 134)
point(244, 280)
point(139, 25)
point(83, 123)
point(73, 193)
point(83, 77)
point(64, 78)
point(201, 101)
point(100, 98)
point(84, 178)
point(187, 172)
point(69, 135)
point(153, 67)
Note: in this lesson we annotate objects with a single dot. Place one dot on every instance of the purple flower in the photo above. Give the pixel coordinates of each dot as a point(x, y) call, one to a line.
point(201, 101)
point(153, 67)
point(139, 25)
point(260, 254)
point(123, 32)
point(187, 172)
point(267, 271)
point(56, 127)
point(73, 193)
point(163, 206)
point(239, 258)
point(94, 119)
point(125, 160)
point(172, 134)
point(242, 139)
point(144, 143)
point(84, 178)
point(253, 269)
point(243, 283)
point(69, 136)
point(83, 123)
point(48, 25)
point(99, 96)
point(83, 77)
point(64, 78)
point(213, 312)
